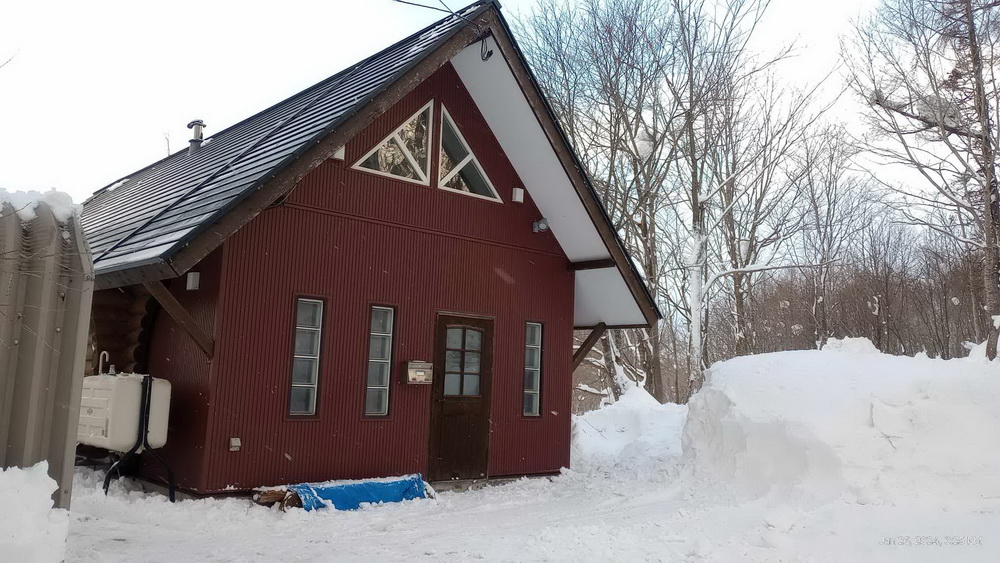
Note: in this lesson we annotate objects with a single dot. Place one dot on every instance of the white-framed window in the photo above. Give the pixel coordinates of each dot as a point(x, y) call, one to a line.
point(406, 153)
point(379, 361)
point(459, 169)
point(532, 369)
point(305, 361)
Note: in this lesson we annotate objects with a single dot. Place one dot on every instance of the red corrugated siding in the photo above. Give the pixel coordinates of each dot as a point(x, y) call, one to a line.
point(357, 239)
point(175, 357)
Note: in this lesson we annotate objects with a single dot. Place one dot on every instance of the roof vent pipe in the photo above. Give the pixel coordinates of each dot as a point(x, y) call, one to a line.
point(197, 135)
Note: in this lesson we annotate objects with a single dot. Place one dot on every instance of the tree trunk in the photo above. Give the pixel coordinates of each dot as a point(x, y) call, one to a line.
point(991, 267)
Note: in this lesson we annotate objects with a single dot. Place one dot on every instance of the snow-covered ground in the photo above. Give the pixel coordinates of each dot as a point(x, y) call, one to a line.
point(838, 455)
point(30, 529)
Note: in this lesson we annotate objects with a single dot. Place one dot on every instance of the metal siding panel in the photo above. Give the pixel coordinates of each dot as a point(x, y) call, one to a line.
point(175, 357)
point(357, 239)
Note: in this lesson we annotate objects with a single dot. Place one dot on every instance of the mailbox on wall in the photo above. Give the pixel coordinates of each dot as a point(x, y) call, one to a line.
point(419, 372)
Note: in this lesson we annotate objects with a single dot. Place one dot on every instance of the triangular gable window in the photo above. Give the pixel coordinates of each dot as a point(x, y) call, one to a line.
point(460, 171)
point(405, 154)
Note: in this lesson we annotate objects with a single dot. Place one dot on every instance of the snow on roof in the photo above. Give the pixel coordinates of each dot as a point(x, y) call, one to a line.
point(24, 203)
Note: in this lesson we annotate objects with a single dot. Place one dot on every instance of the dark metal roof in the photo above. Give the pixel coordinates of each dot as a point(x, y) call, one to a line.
point(149, 215)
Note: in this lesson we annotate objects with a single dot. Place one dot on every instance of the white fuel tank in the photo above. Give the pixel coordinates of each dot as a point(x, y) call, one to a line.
point(109, 412)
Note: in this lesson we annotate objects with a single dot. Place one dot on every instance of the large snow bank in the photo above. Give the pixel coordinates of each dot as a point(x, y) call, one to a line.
point(636, 432)
point(849, 421)
point(30, 529)
point(25, 203)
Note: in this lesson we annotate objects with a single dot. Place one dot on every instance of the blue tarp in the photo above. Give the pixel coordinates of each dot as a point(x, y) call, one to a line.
point(348, 495)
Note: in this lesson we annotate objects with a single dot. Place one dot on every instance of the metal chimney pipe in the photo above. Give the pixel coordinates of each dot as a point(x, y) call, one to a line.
point(197, 135)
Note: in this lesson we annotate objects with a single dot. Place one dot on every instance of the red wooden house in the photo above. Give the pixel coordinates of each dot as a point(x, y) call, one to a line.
point(300, 276)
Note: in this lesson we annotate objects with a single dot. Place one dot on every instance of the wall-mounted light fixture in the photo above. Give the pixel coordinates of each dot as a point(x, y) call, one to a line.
point(193, 281)
point(540, 226)
point(518, 195)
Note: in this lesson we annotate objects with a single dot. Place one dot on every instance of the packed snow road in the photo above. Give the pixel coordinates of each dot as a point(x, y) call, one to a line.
point(840, 455)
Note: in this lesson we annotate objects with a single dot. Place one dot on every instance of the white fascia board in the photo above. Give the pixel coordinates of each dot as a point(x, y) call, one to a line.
point(499, 99)
point(601, 295)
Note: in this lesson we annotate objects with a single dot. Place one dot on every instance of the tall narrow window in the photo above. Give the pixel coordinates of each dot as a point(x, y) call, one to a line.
point(532, 369)
point(460, 170)
point(379, 362)
point(305, 364)
point(404, 154)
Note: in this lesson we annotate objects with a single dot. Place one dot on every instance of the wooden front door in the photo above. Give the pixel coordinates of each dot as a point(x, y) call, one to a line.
point(460, 408)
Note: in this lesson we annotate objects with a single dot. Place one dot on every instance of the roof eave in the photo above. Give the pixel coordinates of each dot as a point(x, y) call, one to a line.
point(578, 176)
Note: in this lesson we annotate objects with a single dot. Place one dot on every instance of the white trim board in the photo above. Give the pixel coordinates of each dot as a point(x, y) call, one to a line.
point(601, 295)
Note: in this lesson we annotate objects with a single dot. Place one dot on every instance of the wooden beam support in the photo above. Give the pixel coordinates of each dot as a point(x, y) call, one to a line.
point(180, 315)
point(593, 264)
point(588, 344)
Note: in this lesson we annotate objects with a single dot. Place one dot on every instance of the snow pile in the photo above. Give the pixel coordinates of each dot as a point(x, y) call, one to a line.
point(636, 432)
point(30, 529)
point(25, 203)
point(846, 422)
point(851, 346)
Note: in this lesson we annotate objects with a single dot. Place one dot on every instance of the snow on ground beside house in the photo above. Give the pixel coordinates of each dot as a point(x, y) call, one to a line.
point(31, 531)
point(836, 455)
point(636, 434)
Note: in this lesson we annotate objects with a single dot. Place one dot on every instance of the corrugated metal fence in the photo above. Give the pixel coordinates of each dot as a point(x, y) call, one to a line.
point(46, 285)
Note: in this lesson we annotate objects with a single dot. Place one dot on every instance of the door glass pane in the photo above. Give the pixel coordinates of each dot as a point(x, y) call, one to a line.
point(473, 339)
point(472, 360)
point(302, 400)
point(452, 384)
point(378, 374)
point(377, 401)
point(531, 404)
point(531, 357)
point(533, 334)
point(381, 321)
point(308, 313)
point(471, 384)
point(379, 348)
point(453, 361)
point(304, 370)
point(530, 380)
point(306, 343)
point(455, 338)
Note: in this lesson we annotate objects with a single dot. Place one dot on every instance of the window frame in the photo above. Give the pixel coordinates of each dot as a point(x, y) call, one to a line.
point(390, 361)
point(429, 106)
point(539, 369)
point(469, 159)
point(462, 373)
point(319, 358)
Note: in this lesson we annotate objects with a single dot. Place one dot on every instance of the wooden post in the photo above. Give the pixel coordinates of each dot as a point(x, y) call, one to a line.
point(584, 348)
point(180, 315)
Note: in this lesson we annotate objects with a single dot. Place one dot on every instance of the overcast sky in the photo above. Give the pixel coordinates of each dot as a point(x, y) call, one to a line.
point(94, 88)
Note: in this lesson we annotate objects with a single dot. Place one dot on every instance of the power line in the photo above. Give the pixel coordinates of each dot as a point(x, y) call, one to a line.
point(435, 8)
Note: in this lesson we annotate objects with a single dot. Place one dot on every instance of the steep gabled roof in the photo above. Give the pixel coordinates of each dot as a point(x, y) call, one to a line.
point(160, 221)
point(147, 216)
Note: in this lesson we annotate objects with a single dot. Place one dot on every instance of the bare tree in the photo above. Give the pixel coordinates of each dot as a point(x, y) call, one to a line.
point(687, 137)
point(838, 204)
point(926, 69)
